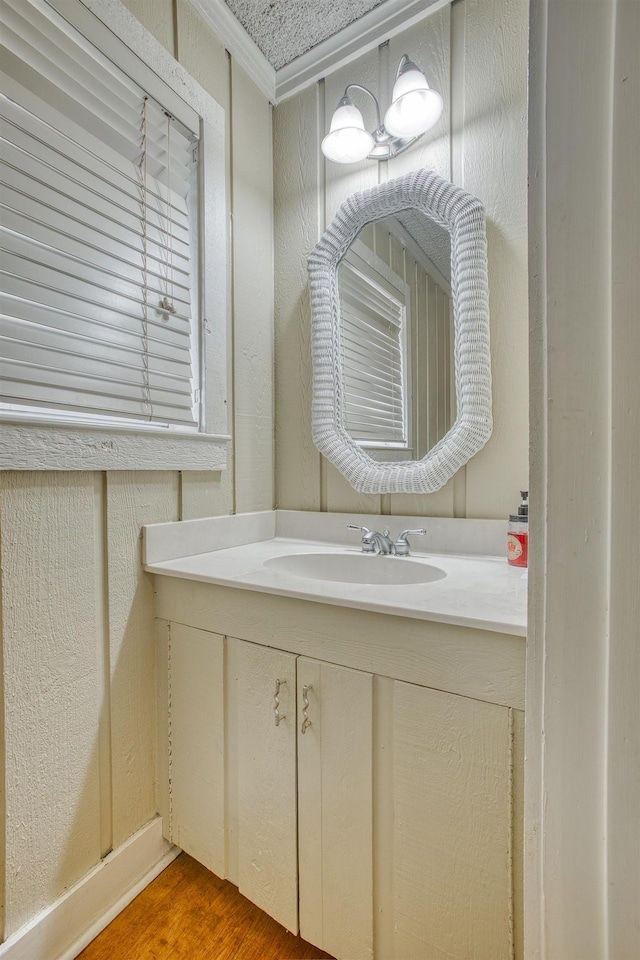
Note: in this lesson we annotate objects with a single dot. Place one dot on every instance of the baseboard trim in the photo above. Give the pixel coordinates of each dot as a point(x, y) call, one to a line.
point(63, 930)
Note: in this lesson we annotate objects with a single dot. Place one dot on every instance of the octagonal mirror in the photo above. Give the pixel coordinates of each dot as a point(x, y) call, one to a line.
point(400, 335)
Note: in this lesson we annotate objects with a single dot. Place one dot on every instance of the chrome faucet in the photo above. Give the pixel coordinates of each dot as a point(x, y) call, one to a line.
point(401, 546)
point(375, 542)
point(383, 542)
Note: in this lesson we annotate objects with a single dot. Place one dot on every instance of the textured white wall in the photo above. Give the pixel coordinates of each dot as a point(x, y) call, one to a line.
point(76, 608)
point(475, 54)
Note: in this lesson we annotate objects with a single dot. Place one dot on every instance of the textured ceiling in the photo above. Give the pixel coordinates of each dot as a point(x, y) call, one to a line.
point(285, 29)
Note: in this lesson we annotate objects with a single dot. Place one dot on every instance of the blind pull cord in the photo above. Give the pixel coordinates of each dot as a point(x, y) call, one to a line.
point(146, 383)
point(167, 301)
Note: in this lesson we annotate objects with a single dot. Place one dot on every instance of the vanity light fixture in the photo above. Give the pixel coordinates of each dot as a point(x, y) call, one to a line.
point(414, 109)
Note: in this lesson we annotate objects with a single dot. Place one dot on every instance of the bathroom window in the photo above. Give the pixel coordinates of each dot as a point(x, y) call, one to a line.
point(374, 317)
point(105, 225)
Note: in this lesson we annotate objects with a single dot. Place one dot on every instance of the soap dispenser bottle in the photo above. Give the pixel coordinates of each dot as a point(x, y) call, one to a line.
point(518, 534)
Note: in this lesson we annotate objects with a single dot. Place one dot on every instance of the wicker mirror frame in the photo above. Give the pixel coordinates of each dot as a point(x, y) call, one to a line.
point(463, 216)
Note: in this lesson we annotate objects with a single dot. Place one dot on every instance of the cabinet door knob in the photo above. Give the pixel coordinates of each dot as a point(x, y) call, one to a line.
point(306, 723)
point(276, 703)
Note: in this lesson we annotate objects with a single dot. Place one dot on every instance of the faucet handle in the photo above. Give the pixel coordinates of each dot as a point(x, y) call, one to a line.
point(402, 544)
point(368, 541)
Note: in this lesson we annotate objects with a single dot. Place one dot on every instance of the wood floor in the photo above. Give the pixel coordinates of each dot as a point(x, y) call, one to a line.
point(188, 914)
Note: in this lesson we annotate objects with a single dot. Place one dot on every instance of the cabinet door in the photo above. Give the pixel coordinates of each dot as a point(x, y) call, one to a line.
point(335, 808)
point(451, 827)
point(196, 744)
point(267, 807)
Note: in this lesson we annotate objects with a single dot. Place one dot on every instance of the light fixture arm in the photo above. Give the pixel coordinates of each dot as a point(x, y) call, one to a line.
point(358, 86)
point(386, 146)
point(403, 59)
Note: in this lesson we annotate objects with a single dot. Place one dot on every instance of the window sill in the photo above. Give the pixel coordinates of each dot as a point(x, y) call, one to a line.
point(39, 446)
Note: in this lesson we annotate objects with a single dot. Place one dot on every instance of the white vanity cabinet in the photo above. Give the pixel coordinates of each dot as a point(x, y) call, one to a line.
point(450, 793)
point(390, 829)
point(191, 755)
point(335, 808)
point(296, 806)
point(304, 788)
point(264, 718)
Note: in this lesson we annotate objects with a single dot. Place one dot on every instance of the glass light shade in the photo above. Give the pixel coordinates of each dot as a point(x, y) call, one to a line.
point(415, 107)
point(347, 140)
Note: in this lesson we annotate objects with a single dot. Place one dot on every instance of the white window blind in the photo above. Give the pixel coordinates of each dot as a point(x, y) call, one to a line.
point(99, 225)
point(373, 343)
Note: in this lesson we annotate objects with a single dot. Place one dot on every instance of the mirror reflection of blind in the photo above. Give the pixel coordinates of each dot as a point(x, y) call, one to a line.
point(372, 340)
point(97, 188)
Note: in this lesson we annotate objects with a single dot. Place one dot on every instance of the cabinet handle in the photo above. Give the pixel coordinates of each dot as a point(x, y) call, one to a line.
point(276, 703)
point(305, 708)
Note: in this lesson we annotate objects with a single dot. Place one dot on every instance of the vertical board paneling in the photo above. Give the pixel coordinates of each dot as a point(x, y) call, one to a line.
point(340, 181)
point(368, 236)
point(432, 359)
point(412, 275)
point(452, 768)
point(157, 17)
point(487, 77)
point(396, 257)
point(440, 503)
point(297, 229)
point(132, 500)
point(206, 494)
point(428, 45)
point(201, 53)
point(52, 700)
point(53, 591)
point(382, 239)
point(51, 633)
point(252, 212)
point(196, 737)
point(398, 263)
point(340, 497)
point(495, 170)
point(450, 397)
point(443, 362)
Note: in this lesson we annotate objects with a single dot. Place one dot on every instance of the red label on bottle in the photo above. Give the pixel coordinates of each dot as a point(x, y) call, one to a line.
point(517, 549)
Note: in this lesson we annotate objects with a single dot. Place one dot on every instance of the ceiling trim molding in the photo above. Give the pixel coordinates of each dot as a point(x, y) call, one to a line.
point(380, 24)
point(237, 41)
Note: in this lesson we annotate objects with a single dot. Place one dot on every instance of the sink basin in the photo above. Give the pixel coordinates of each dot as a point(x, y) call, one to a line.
point(355, 568)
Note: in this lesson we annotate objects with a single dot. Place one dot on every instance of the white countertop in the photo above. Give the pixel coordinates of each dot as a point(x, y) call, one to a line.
point(479, 590)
